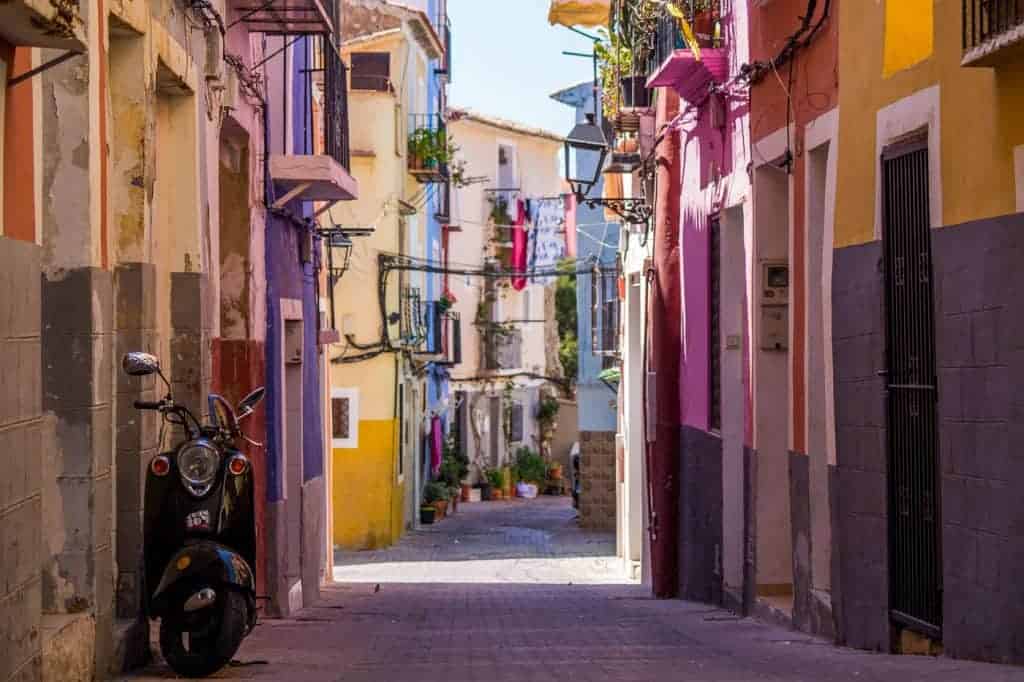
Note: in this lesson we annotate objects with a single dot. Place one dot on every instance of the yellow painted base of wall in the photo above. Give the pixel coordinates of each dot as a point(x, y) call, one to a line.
point(368, 509)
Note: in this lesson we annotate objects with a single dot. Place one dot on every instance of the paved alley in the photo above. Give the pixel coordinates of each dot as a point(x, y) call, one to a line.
point(514, 591)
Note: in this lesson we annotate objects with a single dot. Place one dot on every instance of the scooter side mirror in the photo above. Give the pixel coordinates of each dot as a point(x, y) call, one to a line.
point(248, 404)
point(140, 364)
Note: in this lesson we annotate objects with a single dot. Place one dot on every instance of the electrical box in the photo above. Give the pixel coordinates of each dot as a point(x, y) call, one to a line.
point(775, 306)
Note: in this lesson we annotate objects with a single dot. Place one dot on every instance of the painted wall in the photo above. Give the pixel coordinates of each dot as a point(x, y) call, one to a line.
point(375, 493)
point(538, 176)
point(596, 238)
point(983, 101)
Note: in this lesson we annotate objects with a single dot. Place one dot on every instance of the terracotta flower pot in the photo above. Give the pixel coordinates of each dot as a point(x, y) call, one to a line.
point(466, 488)
point(442, 508)
point(497, 493)
point(555, 472)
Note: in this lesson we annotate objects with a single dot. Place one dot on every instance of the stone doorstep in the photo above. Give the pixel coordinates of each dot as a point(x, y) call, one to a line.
point(69, 645)
point(773, 613)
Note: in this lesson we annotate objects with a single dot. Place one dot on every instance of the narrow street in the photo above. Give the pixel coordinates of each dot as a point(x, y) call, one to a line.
point(514, 591)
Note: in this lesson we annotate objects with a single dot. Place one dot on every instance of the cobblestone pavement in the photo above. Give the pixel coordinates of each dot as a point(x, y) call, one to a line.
point(513, 591)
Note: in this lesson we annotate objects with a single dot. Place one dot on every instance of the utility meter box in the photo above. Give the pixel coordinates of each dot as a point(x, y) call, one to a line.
point(775, 306)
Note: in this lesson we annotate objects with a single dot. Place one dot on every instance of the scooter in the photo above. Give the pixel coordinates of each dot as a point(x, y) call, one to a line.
point(199, 539)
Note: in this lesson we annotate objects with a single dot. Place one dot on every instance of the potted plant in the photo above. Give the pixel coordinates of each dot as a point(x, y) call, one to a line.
point(465, 491)
point(427, 514)
point(494, 480)
point(447, 300)
point(436, 495)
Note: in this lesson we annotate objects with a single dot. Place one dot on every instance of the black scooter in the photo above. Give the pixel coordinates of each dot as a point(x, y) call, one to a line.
point(199, 545)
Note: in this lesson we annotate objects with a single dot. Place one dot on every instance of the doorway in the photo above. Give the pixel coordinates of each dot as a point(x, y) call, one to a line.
point(772, 371)
point(915, 567)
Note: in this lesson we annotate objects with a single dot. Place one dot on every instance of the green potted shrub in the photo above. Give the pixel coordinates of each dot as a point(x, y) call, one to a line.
point(436, 495)
point(494, 481)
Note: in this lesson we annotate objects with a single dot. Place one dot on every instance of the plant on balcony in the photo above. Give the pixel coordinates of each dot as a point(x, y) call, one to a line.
point(447, 300)
point(429, 148)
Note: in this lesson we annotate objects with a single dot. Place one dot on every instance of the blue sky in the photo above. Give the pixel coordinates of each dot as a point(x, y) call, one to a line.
point(508, 60)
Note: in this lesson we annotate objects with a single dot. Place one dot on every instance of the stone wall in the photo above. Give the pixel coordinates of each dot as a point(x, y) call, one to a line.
point(700, 523)
point(21, 442)
point(597, 477)
point(861, 518)
point(979, 313)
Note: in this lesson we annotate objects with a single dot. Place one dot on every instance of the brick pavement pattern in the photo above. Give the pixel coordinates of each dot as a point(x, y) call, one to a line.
point(515, 591)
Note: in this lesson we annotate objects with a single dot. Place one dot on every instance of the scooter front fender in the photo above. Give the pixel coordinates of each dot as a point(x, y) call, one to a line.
point(208, 562)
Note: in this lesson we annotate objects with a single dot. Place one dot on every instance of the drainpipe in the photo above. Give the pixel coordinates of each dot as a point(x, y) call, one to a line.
point(664, 333)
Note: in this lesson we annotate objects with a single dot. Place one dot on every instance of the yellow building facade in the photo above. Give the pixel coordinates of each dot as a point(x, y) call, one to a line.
point(929, 229)
point(377, 397)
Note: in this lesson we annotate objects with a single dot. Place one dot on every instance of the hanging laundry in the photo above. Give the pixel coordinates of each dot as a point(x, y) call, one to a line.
point(519, 247)
point(547, 238)
point(570, 225)
point(436, 446)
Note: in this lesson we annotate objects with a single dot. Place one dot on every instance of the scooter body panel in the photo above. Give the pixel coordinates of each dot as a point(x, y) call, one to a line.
point(215, 532)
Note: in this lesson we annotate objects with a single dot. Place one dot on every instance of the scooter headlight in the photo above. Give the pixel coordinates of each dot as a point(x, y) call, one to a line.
point(197, 463)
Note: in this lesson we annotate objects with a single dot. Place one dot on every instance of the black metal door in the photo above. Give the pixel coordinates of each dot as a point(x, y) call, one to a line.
point(915, 565)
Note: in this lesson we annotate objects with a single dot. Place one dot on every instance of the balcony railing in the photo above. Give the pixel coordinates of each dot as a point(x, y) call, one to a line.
point(412, 324)
point(428, 151)
point(327, 62)
point(667, 39)
point(993, 31)
point(443, 26)
point(445, 338)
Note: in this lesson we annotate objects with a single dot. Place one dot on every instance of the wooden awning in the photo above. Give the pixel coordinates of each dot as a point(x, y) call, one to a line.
point(586, 13)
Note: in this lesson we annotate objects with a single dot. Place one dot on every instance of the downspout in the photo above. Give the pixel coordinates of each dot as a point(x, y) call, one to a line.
point(664, 316)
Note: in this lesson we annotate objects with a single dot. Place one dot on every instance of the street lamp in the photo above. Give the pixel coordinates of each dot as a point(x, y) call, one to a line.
point(587, 138)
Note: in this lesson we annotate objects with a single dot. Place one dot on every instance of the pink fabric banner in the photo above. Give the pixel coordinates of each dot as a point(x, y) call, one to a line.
point(437, 446)
point(570, 225)
point(519, 250)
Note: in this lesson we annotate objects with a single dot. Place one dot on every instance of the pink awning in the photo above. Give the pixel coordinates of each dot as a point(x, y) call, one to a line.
point(689, 76)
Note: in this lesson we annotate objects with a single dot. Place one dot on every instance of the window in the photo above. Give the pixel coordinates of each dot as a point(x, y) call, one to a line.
point(515, 423)
point(714, 326)
point(604, 311)
point(345, 418)
point(507, 167)
point(371, 71)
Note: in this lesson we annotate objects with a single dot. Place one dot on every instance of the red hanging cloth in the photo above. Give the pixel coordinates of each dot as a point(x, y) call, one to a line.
point(519, 242)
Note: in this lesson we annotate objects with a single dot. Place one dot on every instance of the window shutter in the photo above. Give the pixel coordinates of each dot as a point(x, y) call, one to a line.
point(371, 71)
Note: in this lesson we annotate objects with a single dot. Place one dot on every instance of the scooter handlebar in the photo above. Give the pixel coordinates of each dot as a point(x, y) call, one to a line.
point(146, 405)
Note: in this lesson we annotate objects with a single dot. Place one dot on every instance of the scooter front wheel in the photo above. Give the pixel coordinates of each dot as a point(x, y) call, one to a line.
point(201, 643)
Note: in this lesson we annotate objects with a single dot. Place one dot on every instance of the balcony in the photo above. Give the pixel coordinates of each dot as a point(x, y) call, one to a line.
point(672, 63)
point(429, 150)
point(43, 23)
point(443, 28)
point(412, 327)
point(320, 172)
point(285, 17)
point(993, 32)
point(444, 339)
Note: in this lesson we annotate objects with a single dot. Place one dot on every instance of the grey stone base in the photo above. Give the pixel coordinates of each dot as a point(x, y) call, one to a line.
point(700, 506)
